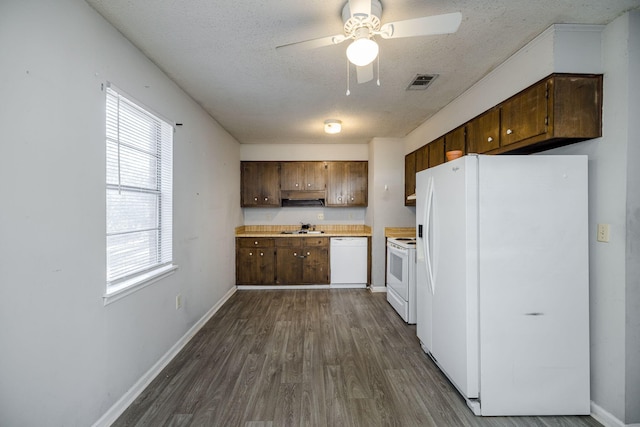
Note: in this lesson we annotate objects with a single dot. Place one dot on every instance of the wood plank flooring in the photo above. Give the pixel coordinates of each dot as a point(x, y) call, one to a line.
point(309, 358)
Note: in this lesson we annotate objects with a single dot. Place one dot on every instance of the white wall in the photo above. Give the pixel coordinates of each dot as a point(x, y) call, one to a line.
point(386, 200)
point(632, 297)
point(66, 358)
point(613, 183)
point(614, 200)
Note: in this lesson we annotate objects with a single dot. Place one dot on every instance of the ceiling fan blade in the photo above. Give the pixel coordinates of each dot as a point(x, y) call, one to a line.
point(425, 26)
point(364, 74)
point(312, 44)
point(360, 7)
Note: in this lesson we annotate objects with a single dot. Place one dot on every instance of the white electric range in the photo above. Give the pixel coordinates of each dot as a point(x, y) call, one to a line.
point(401, 276)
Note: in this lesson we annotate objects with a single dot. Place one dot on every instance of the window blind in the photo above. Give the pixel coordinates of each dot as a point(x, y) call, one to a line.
point(139, 189)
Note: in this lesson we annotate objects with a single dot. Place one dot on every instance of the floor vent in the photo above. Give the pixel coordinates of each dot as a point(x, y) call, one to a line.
point(422, 81)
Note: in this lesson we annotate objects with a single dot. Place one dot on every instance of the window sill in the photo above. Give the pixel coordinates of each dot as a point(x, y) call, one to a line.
point(128, 287)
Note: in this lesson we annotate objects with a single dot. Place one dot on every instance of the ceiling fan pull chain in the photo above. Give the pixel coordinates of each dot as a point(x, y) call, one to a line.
point(348, 91)
point(378, 81)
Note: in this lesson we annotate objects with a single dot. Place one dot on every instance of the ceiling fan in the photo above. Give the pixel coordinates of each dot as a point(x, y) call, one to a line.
point(362, 23)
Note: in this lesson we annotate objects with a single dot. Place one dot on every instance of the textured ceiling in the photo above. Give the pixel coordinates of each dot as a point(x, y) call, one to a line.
point(223, 54)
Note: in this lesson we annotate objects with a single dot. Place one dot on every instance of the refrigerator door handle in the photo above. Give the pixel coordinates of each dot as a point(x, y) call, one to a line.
point(428, 235)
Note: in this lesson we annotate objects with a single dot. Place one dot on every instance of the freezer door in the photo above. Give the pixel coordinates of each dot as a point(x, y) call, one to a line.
point(424, 296)
point(455, 293)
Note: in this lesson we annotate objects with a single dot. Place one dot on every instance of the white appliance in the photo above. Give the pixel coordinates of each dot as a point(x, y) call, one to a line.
point(401, 276)
point(502, 281)
point(348, 262)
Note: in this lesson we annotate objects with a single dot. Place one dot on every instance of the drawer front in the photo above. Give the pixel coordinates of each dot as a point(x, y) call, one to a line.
point(316, 241)
point(288, 242)
point(254, 242)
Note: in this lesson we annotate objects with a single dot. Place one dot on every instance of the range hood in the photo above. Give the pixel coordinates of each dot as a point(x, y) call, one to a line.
point(302, 198)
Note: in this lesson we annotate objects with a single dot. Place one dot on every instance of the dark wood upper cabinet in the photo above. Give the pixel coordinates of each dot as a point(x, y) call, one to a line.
point(483, 132)
point(559, 110)
point(302, 176)
point(409, 178)
point(260, 184)
point(436, 152)
point(422, 158)
point(524, 115)
point(456, 140)
point(340, 183)
point(347, 183)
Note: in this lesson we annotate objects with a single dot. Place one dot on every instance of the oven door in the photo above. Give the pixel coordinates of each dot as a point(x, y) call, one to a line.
point(398, 271)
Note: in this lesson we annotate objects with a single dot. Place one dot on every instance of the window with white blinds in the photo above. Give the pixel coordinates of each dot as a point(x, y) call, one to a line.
point(139, 192)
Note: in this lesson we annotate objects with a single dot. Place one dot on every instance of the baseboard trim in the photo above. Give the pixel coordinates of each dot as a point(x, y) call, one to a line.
point(606, 418)
point(290, 287)
point(378, 288)
point(127, 399)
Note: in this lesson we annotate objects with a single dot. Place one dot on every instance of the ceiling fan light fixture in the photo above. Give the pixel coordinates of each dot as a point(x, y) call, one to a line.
point(332, 126)
point(363, 50)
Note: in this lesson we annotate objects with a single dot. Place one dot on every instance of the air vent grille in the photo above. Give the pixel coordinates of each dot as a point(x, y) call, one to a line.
point(422, 81)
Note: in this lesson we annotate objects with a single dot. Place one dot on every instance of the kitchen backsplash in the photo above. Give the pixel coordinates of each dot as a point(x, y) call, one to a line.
point(317, 216)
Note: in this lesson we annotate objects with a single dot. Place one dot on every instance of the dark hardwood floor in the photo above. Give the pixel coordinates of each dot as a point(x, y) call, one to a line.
point(309, 358)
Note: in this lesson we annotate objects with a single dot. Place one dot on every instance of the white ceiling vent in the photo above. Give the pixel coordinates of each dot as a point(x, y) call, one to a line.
point(422, 81)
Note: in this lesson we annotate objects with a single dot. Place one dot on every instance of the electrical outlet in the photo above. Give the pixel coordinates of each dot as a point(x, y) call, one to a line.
point(320, 216)
point(603, 233)
point(178, 301)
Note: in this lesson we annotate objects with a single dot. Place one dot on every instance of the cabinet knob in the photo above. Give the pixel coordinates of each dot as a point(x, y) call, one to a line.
point(339, 199)
point(352, 199)
point(261, 253)
point(255, 198)
point(308, 253)
point(509, 131)
point(295, 254)
point(489, 139)
point(255, 243)
point(250, 253)
point(308, 185)
point(296, 185)
point(266, 198)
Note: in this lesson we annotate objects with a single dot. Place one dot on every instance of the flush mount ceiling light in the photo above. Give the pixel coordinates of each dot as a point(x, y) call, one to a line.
point(332, 126)
point(363, 50)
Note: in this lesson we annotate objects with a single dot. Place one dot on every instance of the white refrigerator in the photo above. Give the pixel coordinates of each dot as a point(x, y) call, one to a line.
point(503, 281)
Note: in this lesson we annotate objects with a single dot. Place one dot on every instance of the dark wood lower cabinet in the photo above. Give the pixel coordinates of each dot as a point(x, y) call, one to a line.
point(302, 261)
point(255, 261)
point(282, 261)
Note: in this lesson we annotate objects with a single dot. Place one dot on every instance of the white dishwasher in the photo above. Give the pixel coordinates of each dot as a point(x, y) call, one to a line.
point(348, 262)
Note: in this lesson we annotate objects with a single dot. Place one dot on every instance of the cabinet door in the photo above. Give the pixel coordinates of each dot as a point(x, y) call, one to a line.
point(422, 158)
point(315, 265)
point(357, 178)
point(436, 152)
point(250, 192)
point(337, 185)
point(483, 132)
point(289, 265)
point(255, 266)
point(456, 140)
point(269, 183)
point(291, 176)
point(260, 184)
point(409, 178)
point(315, 176)
point(525, 115)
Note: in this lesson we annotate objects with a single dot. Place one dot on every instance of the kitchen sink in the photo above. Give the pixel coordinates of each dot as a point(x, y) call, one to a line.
point(302, 232)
